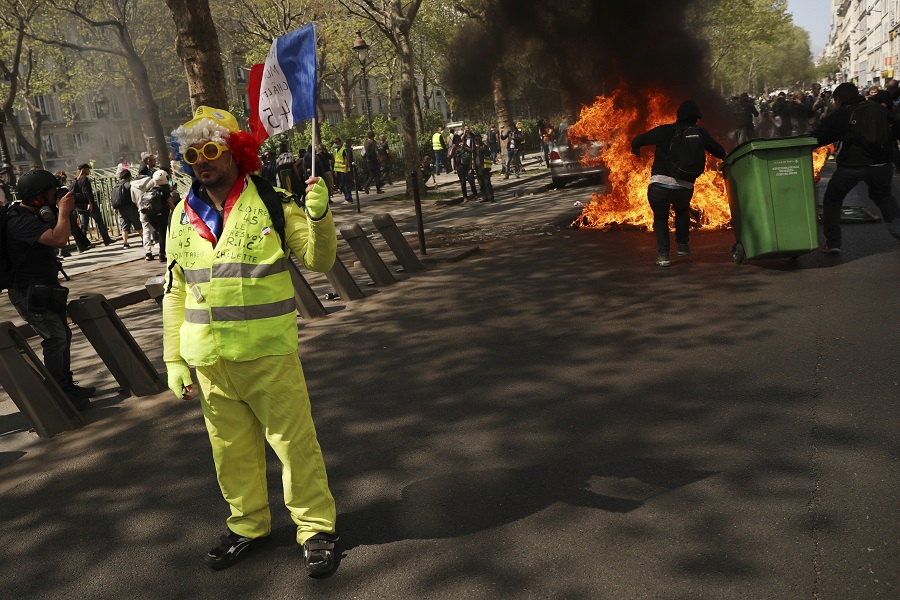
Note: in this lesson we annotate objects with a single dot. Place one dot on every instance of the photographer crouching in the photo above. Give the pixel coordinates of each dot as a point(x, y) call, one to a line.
point(36, 227)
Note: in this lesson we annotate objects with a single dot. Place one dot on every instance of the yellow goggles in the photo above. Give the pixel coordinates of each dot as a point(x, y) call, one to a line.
point(210, 151)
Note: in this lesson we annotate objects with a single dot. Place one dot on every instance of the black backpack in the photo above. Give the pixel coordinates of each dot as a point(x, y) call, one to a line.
point(151, 202)
point(463, 155)
point(869, 127)
point(687, 154)
point(118, 194)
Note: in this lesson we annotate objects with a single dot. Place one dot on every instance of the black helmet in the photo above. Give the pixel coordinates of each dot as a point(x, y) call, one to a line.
point(33, 183)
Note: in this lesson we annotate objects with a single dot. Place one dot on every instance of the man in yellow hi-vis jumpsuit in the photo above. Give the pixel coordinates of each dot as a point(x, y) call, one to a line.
point(229, 311)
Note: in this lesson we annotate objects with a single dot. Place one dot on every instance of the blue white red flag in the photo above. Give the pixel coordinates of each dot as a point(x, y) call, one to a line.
point(284, 90)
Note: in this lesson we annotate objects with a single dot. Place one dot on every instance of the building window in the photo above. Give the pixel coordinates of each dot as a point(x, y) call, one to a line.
point(124, 140)
point(115, 106)
point(240, 74)
point(49, 143)
point(42, 102)
point(79, 140)
point(18, 151)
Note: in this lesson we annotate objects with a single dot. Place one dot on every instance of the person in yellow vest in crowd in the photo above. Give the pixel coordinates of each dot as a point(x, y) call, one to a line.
point(229, 311)
point(343, 161)
point(440, 149)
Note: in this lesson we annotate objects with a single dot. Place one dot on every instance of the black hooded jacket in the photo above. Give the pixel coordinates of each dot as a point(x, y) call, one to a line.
point(661, 137)
point(836, 128)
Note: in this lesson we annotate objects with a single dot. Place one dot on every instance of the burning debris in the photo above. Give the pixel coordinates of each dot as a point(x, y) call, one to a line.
point(615, 120)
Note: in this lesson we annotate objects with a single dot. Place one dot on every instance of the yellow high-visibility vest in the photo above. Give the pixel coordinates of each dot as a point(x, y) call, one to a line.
point(339, 164)
point(239, 301)
point(437, 142)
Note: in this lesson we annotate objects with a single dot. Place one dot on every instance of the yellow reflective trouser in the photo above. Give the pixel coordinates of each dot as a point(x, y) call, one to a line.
point(244, 403)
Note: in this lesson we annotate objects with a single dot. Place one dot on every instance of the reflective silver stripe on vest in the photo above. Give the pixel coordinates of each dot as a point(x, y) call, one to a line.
point(196, 275)
point(254, 311)
point(239, 269)
point(196, 315)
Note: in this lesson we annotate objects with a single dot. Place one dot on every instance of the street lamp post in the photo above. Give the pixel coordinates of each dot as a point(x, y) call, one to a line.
point(362, 50)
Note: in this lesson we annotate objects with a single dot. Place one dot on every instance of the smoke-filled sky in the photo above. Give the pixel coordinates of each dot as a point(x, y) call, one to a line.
point(592, 46)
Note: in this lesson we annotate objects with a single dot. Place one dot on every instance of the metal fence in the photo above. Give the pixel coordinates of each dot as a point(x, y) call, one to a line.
point(103, 181)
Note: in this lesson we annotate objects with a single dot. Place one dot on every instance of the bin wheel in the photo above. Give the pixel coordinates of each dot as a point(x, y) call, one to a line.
point(737, 254)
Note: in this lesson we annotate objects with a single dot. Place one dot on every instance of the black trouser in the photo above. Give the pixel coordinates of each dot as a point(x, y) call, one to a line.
point(465, 175)
point(81, 240)
point(484, 180)
point(84, 217)
point(374, 175)
point(661, 199)
point(844, 179)
point(53, 327)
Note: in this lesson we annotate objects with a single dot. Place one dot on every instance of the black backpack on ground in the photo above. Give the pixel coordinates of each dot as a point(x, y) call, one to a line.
point(687, 155)
point(870, 128)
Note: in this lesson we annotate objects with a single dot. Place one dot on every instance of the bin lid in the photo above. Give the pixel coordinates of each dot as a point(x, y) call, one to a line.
point(769, 144)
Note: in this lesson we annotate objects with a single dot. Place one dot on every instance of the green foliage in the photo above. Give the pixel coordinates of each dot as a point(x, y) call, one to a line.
point(753, 44)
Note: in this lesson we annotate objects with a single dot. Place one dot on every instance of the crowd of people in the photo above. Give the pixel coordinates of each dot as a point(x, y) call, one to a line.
point(799, 112)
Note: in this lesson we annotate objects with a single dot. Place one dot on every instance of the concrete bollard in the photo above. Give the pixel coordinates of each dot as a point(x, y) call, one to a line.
point(308, 304)
point(365, 252)
point(343, 282)
point(32, 388)
point(115, 345)
point(398, 244)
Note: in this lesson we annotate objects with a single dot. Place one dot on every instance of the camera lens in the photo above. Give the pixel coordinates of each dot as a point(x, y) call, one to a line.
point(61, 191)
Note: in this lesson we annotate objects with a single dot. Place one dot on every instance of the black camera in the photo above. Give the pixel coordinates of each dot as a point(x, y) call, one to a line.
point(60, 192)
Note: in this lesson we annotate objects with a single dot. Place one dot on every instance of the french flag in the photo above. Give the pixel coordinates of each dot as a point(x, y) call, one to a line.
point(283, 91)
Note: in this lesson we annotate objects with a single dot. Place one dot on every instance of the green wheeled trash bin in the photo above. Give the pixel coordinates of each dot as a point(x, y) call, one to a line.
point(771, 191)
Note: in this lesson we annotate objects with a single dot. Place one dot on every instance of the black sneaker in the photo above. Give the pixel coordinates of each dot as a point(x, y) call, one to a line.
point(318, 554)
point(148, 257)
point(826, 249)
point(683, 250)
point(231, 549)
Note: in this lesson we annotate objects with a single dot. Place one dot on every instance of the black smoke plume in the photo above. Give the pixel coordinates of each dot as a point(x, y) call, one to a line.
point(587, 48)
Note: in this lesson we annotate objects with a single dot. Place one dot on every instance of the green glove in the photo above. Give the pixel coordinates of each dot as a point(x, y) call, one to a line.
point(180, 381)
point(317, 200)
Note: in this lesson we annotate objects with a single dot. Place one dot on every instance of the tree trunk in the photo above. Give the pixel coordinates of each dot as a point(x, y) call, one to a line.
point(420, 116)
point(408, 110)
point(501, 100)
point(33, 150)
point(141, 80)
point(197, 45)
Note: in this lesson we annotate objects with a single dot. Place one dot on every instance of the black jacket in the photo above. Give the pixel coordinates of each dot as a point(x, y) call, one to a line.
point(836, 128)
point(661, 137)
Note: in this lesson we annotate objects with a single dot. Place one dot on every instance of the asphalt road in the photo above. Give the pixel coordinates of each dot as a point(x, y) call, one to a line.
point(554, 417)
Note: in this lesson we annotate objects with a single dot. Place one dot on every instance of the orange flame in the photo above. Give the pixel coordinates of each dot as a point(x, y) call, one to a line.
point(615, 120)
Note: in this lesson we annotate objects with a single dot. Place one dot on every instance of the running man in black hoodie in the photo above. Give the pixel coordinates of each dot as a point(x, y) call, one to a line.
point(666, 191)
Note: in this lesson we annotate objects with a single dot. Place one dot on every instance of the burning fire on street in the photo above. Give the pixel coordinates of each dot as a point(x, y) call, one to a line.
point(615, 121)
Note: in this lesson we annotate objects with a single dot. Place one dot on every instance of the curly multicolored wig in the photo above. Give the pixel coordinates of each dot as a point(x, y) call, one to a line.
point(216, 125)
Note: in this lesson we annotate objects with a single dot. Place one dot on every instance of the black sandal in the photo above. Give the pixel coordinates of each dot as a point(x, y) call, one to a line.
point(318, 554)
